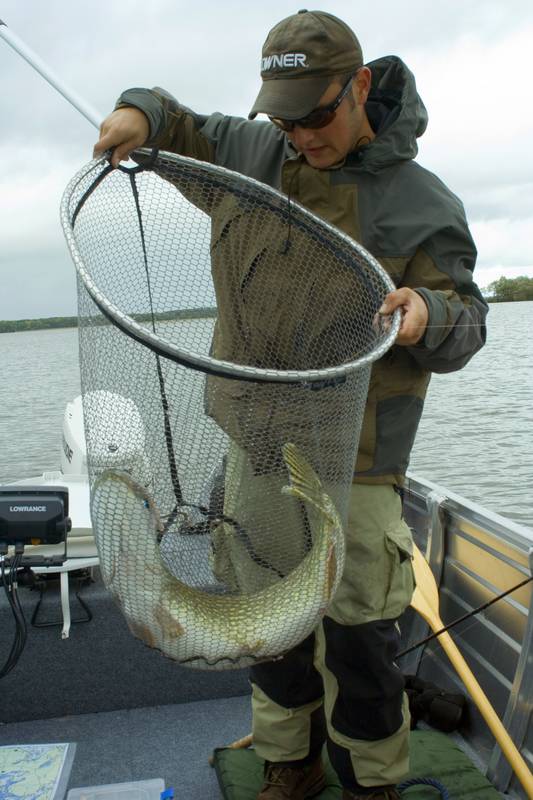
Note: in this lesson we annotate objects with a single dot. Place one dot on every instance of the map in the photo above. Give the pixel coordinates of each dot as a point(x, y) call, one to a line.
point(35, 771)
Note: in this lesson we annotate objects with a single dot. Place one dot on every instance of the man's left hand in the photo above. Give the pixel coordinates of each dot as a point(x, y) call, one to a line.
point(414, 314)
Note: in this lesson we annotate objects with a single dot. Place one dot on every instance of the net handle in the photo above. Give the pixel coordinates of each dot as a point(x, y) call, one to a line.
point(90, 114)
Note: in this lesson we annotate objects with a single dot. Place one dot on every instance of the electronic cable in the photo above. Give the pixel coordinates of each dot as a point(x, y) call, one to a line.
point(9, 582)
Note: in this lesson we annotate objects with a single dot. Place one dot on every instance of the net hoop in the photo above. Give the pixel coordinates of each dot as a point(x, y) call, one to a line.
point(204, 363)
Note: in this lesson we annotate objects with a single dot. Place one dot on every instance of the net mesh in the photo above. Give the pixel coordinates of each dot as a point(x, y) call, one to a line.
point(226, 338)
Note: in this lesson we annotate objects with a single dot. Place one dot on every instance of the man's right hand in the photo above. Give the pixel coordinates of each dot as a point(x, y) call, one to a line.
point(122, 131)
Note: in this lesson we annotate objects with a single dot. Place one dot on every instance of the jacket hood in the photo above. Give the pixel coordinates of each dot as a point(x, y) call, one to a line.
point(396, 113)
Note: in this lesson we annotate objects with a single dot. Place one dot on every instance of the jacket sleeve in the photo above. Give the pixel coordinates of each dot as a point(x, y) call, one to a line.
point(441, 272)
point(228, 141)
point(173, 127)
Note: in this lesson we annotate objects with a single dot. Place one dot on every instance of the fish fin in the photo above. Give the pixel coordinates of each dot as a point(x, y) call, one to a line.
point(301, 473)
point(170, 626)
point(304, 482)
point(141, 631)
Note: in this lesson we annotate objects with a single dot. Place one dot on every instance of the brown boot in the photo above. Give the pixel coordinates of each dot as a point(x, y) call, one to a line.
point(292, 783)
point(381, 793)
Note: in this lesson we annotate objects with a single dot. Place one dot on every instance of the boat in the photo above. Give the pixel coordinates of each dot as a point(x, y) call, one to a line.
point(135, 715)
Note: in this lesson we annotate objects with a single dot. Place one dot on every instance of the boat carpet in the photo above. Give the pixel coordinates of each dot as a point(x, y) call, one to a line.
point(100, 667)
point(433, 755)
point(172, 742)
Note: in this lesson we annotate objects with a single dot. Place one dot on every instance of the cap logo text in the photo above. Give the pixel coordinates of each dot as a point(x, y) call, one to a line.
point(283, 60)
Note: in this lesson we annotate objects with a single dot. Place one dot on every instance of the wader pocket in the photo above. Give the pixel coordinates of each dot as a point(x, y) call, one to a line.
point(399, 544)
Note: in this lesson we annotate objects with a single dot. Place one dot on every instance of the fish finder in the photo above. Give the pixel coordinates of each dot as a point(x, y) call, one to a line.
point(29, 515)
point(33, 515)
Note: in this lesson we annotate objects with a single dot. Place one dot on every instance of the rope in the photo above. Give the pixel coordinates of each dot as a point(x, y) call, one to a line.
point(425, 782)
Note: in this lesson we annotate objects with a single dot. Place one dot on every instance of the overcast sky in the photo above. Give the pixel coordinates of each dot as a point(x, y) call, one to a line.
point(471, 58)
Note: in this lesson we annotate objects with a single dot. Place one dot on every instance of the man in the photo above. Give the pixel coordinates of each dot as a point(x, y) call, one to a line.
point(341, 139)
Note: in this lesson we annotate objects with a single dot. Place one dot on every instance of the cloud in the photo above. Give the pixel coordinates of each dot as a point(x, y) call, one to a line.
point(30, 194)
point(503, 243)
point(480, 125)
point(41, 284)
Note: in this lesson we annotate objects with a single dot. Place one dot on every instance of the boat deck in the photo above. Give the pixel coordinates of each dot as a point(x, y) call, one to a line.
point(172, 742)
point(133, 714)
point(136, 715)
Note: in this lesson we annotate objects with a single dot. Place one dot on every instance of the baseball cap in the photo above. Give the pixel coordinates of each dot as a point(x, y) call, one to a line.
point(300, 56)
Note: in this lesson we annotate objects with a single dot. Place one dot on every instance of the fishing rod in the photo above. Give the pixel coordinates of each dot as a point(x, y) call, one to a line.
point(90, 113)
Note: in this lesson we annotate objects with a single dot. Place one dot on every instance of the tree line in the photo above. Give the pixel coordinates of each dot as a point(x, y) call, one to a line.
point(15, 325)
point(506, 290)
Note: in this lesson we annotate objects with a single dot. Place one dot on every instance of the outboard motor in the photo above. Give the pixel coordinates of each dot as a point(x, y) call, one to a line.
point(113, 417)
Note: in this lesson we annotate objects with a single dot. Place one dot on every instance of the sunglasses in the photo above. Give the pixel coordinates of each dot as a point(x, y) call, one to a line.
point(319, 117)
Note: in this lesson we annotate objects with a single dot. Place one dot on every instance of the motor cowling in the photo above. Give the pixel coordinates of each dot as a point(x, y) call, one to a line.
point(116, 433)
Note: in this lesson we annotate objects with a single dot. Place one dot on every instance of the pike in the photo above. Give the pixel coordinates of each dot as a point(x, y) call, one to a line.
point(198, 628)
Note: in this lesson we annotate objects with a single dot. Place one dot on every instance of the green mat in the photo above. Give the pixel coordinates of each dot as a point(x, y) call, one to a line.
point(433, 755)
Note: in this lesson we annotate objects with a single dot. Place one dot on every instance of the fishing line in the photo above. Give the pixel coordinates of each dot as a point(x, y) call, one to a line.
point(466, 325)
point(464, 617)
point(384, 318)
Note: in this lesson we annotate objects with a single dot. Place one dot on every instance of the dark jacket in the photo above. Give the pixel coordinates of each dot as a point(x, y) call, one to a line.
point(403, 214)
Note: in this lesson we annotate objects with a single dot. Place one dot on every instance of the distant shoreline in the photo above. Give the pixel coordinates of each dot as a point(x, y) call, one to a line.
point(17, 325)
point(44, 323)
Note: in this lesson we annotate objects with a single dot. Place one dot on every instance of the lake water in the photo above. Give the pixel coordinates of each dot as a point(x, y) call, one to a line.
point(476, 435)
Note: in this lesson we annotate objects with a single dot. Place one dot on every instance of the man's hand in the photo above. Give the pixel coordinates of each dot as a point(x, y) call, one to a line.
point(122, 131)
point(414, 317)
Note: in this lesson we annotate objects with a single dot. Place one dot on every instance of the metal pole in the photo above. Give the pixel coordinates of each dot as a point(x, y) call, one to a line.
point(37, 63)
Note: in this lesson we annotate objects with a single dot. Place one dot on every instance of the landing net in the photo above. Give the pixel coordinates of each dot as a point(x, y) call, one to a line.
point(226, 340)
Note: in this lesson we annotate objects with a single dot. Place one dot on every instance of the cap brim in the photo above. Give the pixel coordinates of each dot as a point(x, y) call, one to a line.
point(291, 98)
